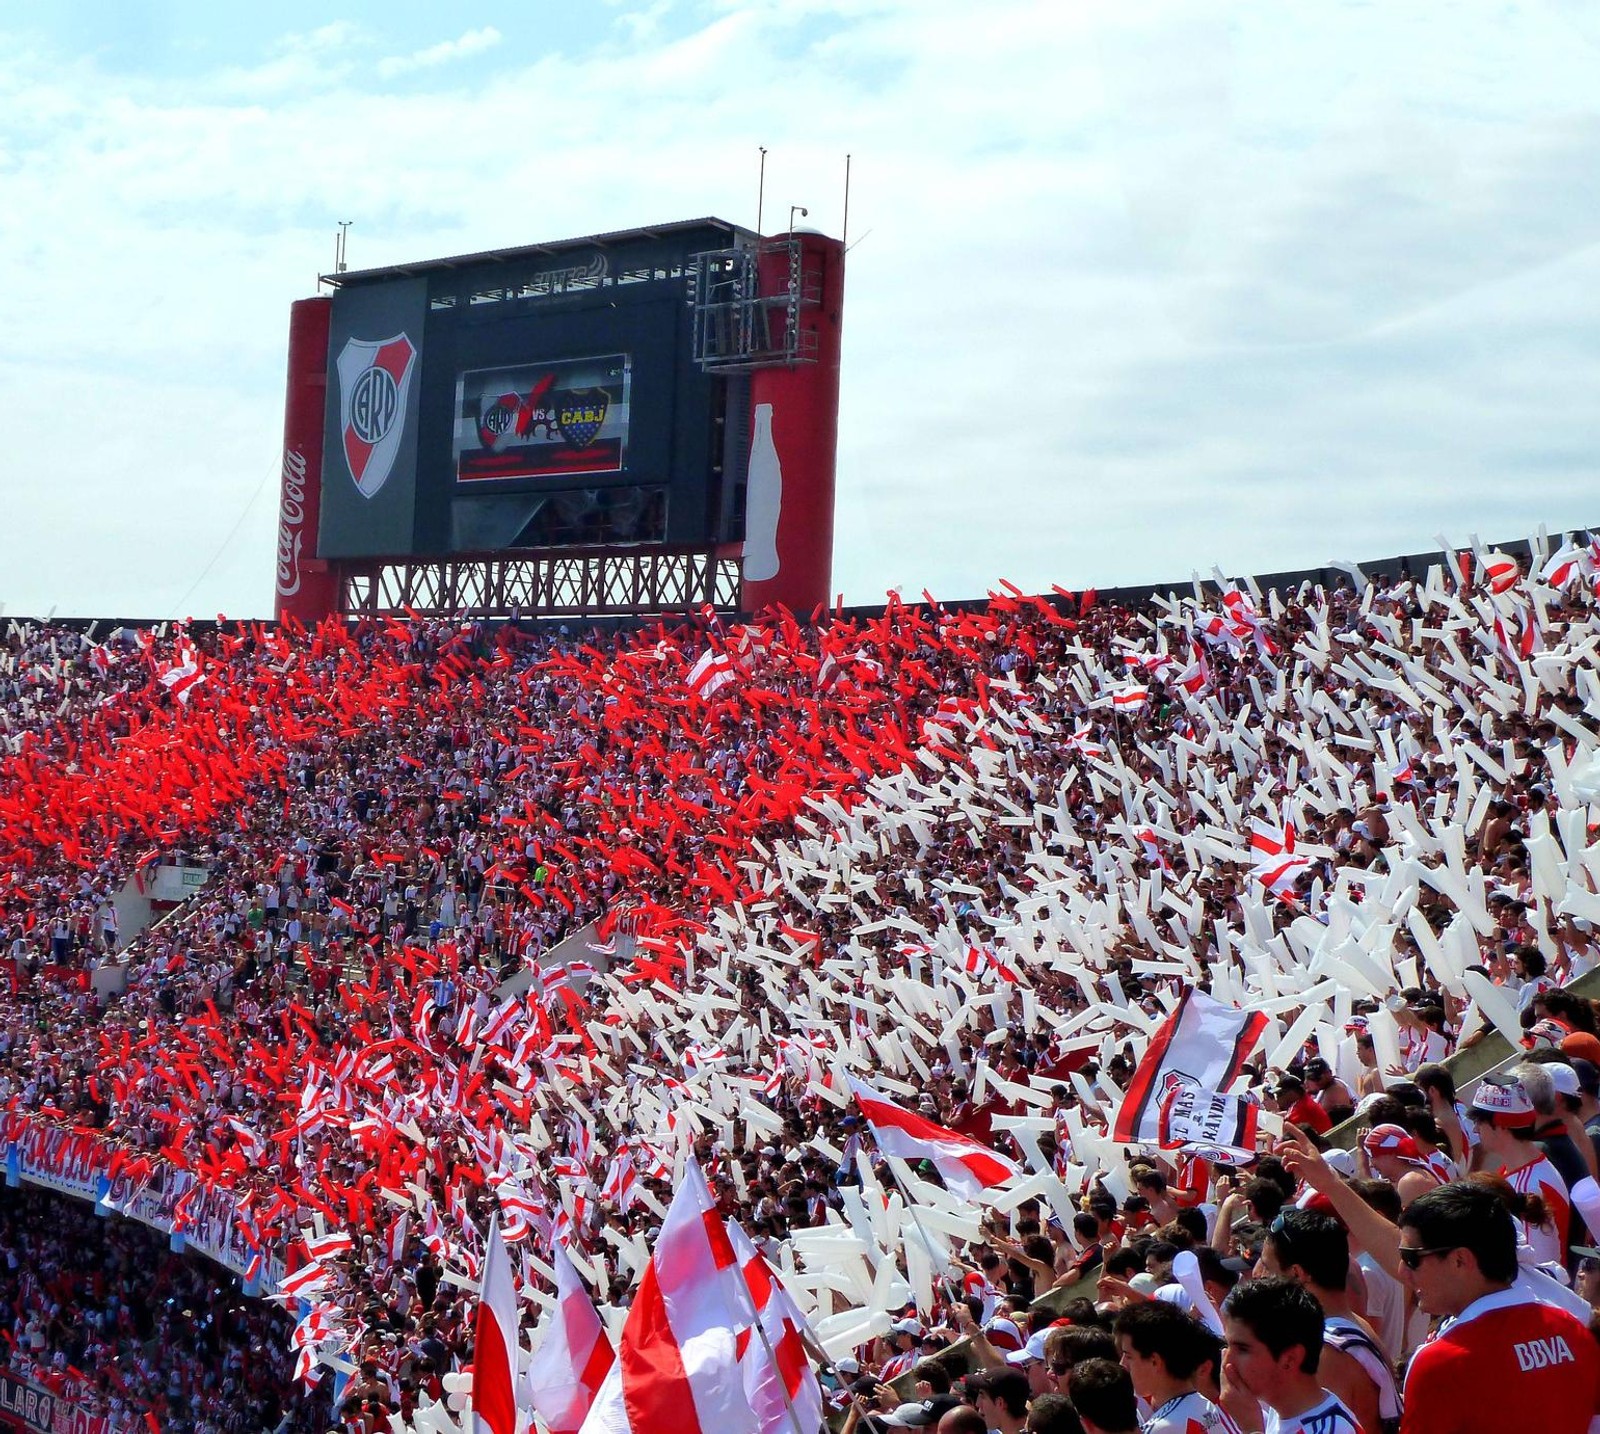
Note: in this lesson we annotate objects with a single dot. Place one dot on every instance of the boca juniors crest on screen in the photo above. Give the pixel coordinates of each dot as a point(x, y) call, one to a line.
point(553, 419)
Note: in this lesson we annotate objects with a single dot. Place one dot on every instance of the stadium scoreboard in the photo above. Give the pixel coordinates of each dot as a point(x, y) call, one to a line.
point(535, 401)
point(607, 393)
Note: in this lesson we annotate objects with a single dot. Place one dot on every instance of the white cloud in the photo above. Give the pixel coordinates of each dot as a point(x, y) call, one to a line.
point(473, 42)
point(337, 35)
point(1144, 286)
point(302, 61)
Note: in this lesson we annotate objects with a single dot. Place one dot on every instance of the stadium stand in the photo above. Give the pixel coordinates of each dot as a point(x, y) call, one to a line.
point(972, 858)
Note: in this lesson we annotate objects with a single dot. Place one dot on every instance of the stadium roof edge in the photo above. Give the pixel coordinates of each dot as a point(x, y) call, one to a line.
point(529, 251)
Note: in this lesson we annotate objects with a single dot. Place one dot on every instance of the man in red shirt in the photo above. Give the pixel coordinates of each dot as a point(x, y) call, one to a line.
point(1500, 1360)
point(1295, 1105)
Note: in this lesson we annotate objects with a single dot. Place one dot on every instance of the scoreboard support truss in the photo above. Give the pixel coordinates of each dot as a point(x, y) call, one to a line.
point(575, 582)
point(629, 424)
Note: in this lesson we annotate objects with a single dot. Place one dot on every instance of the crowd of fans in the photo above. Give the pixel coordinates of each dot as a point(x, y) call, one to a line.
point(962, 853)
point(102, 1314)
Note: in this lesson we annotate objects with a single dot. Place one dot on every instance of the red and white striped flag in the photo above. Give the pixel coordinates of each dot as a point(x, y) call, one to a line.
point(325, 1247)
point(1155, 663)
point(1081, 741)
point(1151, 846)
point(1205, 1041)
point(678, 1365)
point(778, 1378)
point(1500, 571)
point(1564, 565)
point(981, 961)
point(1197, 675)
point(714, 671)
point(1246, 621)
point(572, 1360)
point(967, 1168)
point(498, 1028)
point(185, 674)
point(618, 1188)
point(1273, 859)
point(494, 1342)
point(394, 1241)
point(1219, 1128)
point(308, 1278)
point(697, 1058)
point(254, 1147)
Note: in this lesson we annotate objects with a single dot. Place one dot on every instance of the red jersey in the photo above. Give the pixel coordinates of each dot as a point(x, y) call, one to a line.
point(897, 1364)
point(1193, 1182)
point(1308, 1113)
point(1503, 1353)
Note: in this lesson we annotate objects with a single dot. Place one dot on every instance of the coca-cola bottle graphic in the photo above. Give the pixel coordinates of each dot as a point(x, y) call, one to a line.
point(763, 501)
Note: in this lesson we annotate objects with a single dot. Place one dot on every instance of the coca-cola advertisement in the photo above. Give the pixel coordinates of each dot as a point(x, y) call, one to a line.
point(305, 589)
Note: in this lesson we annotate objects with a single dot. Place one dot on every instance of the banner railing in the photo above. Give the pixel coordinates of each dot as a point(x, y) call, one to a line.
point(79, 1163)
point(26, 1404)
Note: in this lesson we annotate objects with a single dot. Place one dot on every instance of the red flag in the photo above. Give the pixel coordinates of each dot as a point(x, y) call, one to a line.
point(574, 1357)
point(1205, 1041)
point(678, 1365)
point(967, 1168)
point(494, 1342)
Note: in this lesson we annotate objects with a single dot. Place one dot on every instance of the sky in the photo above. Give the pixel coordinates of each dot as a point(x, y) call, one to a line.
point(1134, 288)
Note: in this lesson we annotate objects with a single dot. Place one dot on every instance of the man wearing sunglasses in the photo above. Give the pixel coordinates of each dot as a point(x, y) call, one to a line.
point(1499, 1355)
point(1501, 1360)
point(1067, 1346)
point(1586, 1275)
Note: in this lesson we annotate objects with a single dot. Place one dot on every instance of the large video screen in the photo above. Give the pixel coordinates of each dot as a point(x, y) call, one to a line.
point(541, 398)
point(555, 419)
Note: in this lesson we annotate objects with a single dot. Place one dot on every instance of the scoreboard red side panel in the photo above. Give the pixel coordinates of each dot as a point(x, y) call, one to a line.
point(788, 550)
point(307, 589)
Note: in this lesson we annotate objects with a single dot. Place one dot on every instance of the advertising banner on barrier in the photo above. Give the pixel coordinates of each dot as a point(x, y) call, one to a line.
point(142, 1200)
point(69, 1161)
point(212, 1226)
point(27, 1404)
point(76, 1162)
point(31, 1404)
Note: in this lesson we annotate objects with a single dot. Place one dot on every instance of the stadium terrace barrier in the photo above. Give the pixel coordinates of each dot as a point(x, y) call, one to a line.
point(39, 1409)
point(86, 1166)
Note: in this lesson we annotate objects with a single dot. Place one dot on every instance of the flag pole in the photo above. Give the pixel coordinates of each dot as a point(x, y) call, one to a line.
point(911, 1209)
point(754, 1316)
